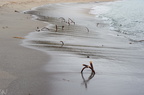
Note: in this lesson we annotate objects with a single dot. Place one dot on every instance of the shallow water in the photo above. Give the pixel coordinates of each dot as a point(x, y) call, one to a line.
point(124, 16)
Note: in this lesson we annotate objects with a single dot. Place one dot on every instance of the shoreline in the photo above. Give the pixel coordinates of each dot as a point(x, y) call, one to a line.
point(21, 65)
point(26, 71)
point(113, 57)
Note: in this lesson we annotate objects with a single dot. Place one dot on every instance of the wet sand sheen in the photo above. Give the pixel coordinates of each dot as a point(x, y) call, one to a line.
point(21, 70)
point(113, 57)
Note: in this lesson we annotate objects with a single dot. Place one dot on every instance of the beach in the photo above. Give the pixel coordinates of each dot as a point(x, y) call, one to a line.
point(34, 62)
point(20, 67)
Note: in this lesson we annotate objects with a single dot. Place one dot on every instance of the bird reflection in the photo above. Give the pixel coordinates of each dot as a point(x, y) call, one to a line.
point(85, 81)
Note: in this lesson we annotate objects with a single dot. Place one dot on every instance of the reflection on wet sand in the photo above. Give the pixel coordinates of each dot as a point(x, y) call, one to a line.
point(85, 81)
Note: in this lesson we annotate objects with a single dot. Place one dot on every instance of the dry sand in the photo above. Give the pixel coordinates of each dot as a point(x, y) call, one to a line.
point(20, 65)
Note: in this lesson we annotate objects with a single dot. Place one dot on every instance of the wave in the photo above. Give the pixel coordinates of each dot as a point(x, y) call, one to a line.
point(125, 16)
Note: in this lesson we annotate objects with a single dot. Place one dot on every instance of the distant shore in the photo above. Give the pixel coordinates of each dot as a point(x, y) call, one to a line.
point(21, 67)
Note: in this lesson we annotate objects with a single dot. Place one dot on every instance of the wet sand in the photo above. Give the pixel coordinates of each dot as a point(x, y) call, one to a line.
point(21, 70)
point(118, 61)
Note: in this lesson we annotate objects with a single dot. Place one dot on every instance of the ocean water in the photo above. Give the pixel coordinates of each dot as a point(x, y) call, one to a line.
point(124, 16)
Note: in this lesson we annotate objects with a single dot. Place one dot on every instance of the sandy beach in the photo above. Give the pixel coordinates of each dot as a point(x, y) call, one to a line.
point(21, 70)
point(37, 63)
